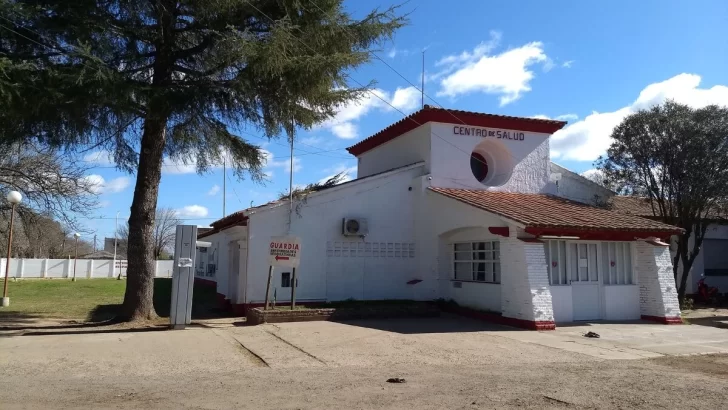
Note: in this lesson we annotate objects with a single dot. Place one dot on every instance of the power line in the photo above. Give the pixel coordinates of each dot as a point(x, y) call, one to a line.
point(382, 99)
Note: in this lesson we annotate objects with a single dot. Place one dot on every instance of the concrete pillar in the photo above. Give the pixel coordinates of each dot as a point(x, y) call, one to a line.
point(22, 268)
point(658, 294)
point(68, 267)
point(44, 268)
point(525, 292)
point(90, 265)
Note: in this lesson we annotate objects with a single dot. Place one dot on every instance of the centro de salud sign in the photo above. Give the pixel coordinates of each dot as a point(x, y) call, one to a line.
point(284, 251)
point(485, 132)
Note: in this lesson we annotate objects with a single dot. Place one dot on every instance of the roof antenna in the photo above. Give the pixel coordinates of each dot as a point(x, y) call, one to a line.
point(422, 87)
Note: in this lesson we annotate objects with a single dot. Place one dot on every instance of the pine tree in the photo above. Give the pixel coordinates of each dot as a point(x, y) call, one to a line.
point(149, 79)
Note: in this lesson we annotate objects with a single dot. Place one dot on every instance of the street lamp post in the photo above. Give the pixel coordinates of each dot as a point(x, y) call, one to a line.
point(14, 198)
point(75, 258)
point(116, 228)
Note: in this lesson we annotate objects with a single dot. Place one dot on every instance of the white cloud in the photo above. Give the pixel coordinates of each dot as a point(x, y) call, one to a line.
point(562, 117)
point(567, 64)
point(344, 124)
point(178, 167)
point(406, 99)
point(567, 117)
point(269, 161)
point(214, 190)
point(506, 74)
point(192, 211)
point(392, 53)
point(312, 140)
point(104, 204)
point(585, 140)
point(98, 185)
point(101, 157)
point(116, 185)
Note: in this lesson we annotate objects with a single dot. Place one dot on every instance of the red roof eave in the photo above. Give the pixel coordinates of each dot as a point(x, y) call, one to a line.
point(429, 114)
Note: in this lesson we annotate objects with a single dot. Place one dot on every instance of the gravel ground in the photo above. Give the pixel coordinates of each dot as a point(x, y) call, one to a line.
point(313, 366)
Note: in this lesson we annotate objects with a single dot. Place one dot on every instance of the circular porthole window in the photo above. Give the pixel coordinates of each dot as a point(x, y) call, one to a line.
point(479, 166)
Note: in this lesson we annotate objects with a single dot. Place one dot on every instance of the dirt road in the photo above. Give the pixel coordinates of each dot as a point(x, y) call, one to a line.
point(313, 366)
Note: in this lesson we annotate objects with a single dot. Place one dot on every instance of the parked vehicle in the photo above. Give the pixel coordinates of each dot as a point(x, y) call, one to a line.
point(707, 294)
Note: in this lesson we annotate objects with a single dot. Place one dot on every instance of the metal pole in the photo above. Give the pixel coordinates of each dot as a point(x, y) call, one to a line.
point(290, 191)
point(422, 87)
point(224, 184)
point(7, 262)
point(116, 228)
point(267, 288)
point(75, 258)
point(293, 289)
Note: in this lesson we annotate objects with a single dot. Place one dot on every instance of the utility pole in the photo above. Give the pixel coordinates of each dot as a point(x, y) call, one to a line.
point(422, 86)
point(290, 191)
point(224, 185)
point(94, 242)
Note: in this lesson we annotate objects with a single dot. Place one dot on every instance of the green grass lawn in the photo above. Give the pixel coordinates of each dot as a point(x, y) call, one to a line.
point(90, 299)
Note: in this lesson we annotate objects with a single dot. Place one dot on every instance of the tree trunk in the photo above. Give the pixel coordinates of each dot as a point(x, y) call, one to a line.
point(138, 298)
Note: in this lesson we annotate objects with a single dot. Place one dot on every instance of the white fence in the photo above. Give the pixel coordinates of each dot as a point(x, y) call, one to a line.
point(85, 268)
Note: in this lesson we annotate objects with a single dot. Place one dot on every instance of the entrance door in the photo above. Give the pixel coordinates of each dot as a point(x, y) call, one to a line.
point(585, 287)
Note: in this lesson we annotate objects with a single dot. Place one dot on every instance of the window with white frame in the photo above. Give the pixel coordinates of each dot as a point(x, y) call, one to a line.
point(477, 261)
point(569, 262)
point(617, 263)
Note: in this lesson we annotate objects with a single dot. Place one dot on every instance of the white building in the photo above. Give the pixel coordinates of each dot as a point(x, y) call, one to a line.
point(463, 206)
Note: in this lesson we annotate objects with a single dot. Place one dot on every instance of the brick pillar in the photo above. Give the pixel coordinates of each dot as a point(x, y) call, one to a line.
point(525, 292)
point(658, 295)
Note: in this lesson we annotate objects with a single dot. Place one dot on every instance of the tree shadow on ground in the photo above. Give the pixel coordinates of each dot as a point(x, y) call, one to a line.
point(101, 319)
point(204, 303)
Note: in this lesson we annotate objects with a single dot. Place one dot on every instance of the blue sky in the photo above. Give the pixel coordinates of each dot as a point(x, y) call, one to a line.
point(586, 62)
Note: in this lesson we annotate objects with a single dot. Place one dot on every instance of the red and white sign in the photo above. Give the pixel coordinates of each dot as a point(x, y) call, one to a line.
point(284, 251)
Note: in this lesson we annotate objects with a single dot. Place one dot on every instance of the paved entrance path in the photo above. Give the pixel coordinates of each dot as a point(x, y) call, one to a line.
point(448, 362)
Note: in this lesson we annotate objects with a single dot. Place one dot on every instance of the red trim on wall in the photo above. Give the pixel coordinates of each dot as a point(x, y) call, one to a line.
point(473, 119)
point(501, 320)
point(499, 230)
point(673, 320)
point(600, 235)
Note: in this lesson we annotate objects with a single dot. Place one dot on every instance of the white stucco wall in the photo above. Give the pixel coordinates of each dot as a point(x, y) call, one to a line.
point(575, 187)
point(476, 295)
point(384, 200)
point(406, 149)
point(653, 268)
point(450, 162)
point(563, 303)
point(218, 249)
point(621, 302)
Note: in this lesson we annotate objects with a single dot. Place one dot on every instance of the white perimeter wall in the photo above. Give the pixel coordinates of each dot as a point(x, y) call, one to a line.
point(450, 162)
point(385, 201)
point(85, 268)
point(406, 149)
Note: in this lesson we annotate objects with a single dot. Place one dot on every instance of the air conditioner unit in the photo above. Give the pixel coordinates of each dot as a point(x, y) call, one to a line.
point(355, 227)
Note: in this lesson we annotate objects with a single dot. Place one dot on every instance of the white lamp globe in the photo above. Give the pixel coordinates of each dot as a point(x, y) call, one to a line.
point(14, 197)
point(77, 235)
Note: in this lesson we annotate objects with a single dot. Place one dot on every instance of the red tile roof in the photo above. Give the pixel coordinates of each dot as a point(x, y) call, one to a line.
point(545, 212)
point(475, 119)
